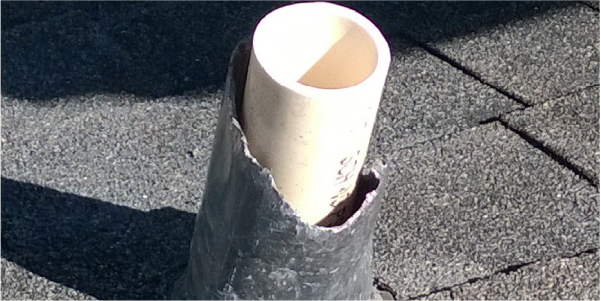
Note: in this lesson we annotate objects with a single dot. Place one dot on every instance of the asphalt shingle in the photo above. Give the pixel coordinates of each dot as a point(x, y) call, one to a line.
point(474, 203)
point(98, 248)
point(535, 51)
point(152, 49)
point(425, 98)
point(101, 179)
point(535, 59)
point(20, 284)
point(145, 155)
point(19, 13)
point(569, 126)
point(65, 55)
point(594, 4)
point(575, 278)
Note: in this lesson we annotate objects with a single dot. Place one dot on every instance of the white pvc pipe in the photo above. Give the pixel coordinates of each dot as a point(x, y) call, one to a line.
point(314, 83)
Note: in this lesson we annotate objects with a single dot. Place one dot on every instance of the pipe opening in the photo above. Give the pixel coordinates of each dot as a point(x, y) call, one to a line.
point(318, 45)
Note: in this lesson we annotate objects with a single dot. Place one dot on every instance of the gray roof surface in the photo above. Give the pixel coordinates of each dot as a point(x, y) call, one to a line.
point(89, 145)
point(489, 122)
point(474, 203)
point(19, 283)
point(555, 123)
point(593, 4)
point(558, 278)
point(535, 58)
point(425, 98)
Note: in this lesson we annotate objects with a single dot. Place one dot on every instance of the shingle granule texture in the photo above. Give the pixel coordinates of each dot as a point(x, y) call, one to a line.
point(151, 49)
point(569, 126)
point(109, 108)
point(116, 148)
point(425, 98)
point(475, 203)
point(535, 51)
point(594, 4)
point(20, 284)
point(101, 249)
point(65, 55)
point(575, 278)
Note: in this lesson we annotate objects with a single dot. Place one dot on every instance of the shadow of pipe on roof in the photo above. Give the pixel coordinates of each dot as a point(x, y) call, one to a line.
point(157, 49)
point(101, 249)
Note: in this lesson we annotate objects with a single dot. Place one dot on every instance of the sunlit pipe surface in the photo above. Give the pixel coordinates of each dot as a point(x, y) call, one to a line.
point(314, 83)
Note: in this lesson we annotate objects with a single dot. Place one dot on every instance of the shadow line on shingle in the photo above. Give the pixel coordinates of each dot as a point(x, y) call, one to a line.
point(157, 49)
point(103, 250)
point(551, 153)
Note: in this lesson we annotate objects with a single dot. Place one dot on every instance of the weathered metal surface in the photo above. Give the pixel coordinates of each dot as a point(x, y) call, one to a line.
point(249, 244)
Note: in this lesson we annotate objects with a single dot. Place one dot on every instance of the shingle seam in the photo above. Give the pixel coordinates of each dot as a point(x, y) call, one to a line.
point(551, 153)
point(380, 285)
point(577, 91)
point(449, 289)
point(435, 52)
point(502, 115)
point(508, 270)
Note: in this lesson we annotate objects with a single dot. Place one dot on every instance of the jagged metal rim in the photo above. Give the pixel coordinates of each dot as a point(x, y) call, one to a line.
point(379, 169)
